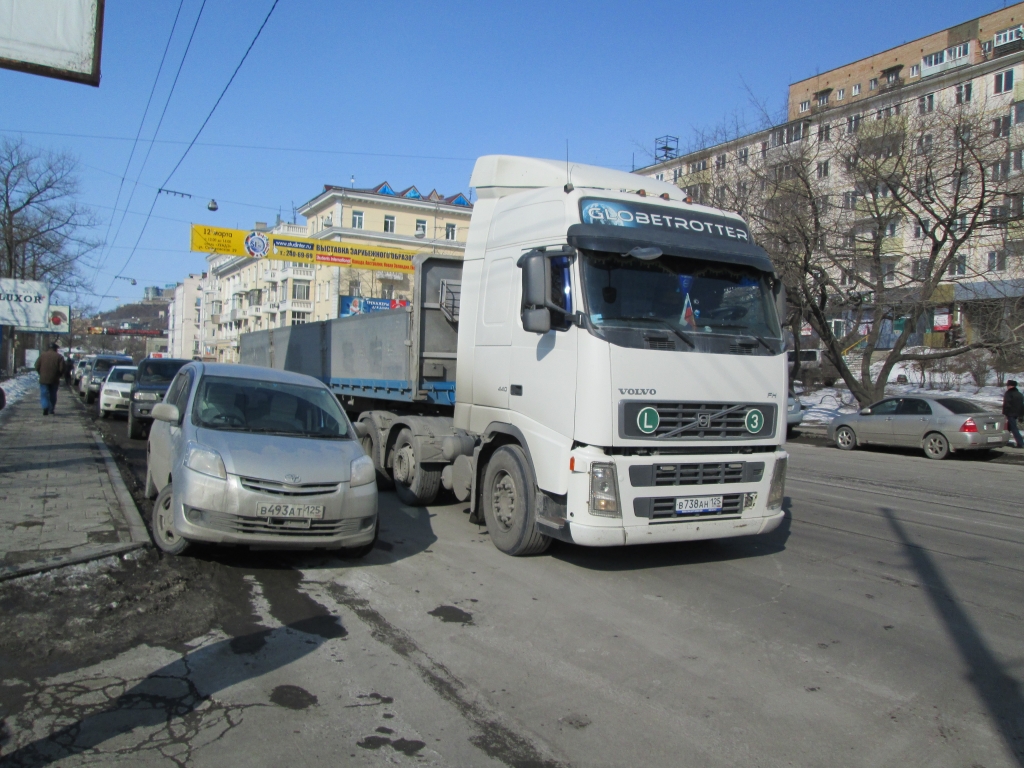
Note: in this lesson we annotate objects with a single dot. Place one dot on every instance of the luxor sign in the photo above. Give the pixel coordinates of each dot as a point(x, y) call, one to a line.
point(24, 303)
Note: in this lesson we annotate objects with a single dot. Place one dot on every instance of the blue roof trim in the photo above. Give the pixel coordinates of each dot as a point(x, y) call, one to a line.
point(460, 200)
point(441, 392)
point(385, 189)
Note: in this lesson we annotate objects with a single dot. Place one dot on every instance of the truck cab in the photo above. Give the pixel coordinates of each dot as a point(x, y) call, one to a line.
point(620, 354)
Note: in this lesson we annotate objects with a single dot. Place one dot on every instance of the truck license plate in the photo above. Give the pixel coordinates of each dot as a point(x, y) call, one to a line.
point(694, 505)
point(306, 511)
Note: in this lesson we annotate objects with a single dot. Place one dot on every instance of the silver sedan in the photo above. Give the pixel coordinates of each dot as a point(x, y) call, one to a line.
point(937, 425)
point(244, 455)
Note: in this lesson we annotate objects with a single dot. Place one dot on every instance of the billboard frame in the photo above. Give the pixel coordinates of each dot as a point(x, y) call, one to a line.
point(85, 78)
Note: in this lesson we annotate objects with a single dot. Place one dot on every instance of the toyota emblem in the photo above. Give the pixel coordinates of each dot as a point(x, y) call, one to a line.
point(292, 478)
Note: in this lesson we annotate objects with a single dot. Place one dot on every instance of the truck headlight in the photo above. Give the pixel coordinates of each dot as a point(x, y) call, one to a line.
point(604, 491)
point(361, 472)
point(777, 490)
point(148, 396)
point(204, 461)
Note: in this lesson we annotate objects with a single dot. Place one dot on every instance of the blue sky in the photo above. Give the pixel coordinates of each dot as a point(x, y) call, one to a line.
point(410, 93)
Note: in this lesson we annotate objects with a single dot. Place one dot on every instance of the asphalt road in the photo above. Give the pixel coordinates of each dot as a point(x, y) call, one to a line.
point(881, 625)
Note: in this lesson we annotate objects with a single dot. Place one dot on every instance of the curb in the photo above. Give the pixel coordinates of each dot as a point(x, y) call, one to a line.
point(48, 564)
point(136, 528)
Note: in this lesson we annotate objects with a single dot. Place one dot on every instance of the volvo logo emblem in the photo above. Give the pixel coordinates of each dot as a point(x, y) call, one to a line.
point(703, 419)
point(292, 478)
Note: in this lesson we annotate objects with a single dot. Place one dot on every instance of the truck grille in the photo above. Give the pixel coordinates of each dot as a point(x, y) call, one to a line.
point(697, 474)
point(699, 421)
point(665, 508)
point(283, 489)
point(221, 521)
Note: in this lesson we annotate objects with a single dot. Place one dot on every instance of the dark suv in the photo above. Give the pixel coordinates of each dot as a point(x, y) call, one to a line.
point(96, 371)
point(151, 382)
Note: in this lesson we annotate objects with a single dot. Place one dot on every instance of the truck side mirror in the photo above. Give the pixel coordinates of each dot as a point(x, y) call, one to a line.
point(535, 279)
point(780, 300)
point(537, 320)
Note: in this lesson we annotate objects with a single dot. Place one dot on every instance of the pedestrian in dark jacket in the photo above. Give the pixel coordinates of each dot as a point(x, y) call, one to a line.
point(1013, 409)
point(50, 365)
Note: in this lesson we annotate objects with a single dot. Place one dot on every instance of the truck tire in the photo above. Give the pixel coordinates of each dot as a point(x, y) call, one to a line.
point(414, 484)
point(509, 503)
point(370, 445)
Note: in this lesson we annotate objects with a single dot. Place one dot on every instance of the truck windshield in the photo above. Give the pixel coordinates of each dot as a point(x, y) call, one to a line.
point(705, 305)
point(250, 405)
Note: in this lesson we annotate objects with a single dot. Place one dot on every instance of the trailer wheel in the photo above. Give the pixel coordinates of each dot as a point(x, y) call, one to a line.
point(415, 485)
point(509, 502)
point(372, 448)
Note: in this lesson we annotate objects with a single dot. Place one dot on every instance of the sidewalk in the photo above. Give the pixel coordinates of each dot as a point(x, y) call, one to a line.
point(62, 500)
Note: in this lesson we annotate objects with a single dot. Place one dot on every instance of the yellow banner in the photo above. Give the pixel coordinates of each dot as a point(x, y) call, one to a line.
point(257, 245)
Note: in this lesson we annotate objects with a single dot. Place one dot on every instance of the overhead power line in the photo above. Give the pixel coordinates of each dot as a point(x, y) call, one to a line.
point(194, 139)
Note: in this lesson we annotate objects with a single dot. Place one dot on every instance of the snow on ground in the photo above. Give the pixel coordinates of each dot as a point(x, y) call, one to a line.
point(16, 387)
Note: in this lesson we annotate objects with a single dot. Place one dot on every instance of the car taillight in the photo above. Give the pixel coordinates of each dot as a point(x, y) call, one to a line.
point(969, 426)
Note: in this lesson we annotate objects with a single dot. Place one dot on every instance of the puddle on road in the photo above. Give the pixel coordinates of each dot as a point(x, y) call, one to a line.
point(449, 614)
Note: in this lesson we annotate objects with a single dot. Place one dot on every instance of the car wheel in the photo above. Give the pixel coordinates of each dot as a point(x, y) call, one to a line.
point(104, 414)
point(369, 443)
point(414, 484)
point(508, 502)
point(936, 446)
point(846, 439)
point(354, 553)
point(166, 538)
point(135, 430)
point(90, 398)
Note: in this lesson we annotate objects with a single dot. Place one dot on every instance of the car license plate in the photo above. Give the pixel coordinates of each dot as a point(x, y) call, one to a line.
point(995, 439)
point(308, 511)
point(694, 505)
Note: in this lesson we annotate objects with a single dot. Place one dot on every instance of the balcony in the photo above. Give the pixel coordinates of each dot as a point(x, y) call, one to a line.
point(301, 273)
point(255, 310)
point(271, 275)
point(1008, 41)
point(236, 315)
point(296, 305)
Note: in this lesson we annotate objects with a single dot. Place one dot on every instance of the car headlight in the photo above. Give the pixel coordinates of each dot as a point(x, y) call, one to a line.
point(148, 396)
point(777, 490)
point(204, 461)
point(604, 491)
point(362, 472)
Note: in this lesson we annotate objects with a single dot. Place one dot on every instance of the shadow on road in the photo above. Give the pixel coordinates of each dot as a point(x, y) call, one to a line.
point(998, 691)
point(676, 554)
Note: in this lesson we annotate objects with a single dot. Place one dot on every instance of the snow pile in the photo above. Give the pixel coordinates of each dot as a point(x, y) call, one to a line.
point(823, 405)
point(15, 388)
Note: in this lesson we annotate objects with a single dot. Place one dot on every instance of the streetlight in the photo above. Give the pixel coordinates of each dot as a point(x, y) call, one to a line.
point(131, 280)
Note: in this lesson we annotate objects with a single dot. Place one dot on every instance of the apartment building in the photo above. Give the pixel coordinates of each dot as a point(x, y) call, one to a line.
point(185, 318)
point(242, 294)
point(973, 70)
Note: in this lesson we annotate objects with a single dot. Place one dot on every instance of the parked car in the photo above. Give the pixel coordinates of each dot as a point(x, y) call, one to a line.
point(937, 425)
point(794, 412)
point(246, 455)
point(116, 391)
point(96, 371)
point(155, 375)
point(76, 375)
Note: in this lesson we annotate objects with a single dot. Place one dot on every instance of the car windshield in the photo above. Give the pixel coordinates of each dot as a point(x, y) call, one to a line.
point(960, 406)
point(121, 376)
point(251, 405)
point(159, 371)
point(694, 298)
point(105, 365)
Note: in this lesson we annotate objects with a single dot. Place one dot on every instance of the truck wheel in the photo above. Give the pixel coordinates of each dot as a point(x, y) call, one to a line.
point(135, 430)
point(509, 502)
point(370, 445)
point(415, 485)
point(166, 538)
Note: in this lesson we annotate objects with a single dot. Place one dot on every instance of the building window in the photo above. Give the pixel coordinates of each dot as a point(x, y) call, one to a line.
point(822, 170)
point(1004, 81)
point(449, 231)
point(805, 105)
point(915, 70)
point(387, 291)
point(1001, 127)
point(963, 93)
point(890, 229)
point(659, 176)
point(824, 132)
point(354, 288)
point(421, 227)
point(853, 123)
point(856, 90)
point(873, 84)
point(926, 104)
point(921, 229)
point(997, 261)
point(823, 100)
point(697, 165)
point(389, 224)
point(1000, 170)
point(958, 266)
point(300, 290)
point(840, 94)
point(919, 269)
point(924, 144)
point(300, 318)
point(719, 162)
point(357, 219)
point(889, 272)
point(675, 175)
point(742, 156)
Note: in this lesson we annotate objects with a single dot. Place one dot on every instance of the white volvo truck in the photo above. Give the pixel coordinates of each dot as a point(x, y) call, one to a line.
point(606, 366)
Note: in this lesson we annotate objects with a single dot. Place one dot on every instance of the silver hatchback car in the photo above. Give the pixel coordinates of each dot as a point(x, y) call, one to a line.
point(937, 425)
point(245, 455)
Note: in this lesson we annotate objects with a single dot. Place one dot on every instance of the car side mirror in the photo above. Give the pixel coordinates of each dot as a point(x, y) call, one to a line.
point(865, 411)
point(166, 412)
point(537, 320)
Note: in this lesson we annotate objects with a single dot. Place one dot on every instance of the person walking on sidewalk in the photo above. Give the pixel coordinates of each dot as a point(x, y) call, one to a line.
point(1013, 409)
point(50, 365)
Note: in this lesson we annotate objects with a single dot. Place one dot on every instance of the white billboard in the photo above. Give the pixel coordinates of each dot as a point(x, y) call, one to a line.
point(58, 320)
point(24, 303)
point(54, 38)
